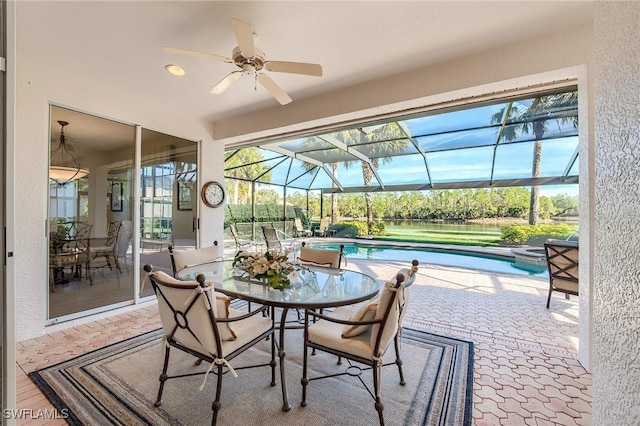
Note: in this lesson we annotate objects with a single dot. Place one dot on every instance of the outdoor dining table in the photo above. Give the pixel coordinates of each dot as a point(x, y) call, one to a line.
point(311, 288)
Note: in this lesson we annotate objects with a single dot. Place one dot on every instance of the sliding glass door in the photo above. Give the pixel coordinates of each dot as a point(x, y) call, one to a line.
point(93, 181)
point(91, 193)
point(168, 213)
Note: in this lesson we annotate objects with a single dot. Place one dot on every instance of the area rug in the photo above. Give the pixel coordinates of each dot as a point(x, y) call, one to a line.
point(118, 384)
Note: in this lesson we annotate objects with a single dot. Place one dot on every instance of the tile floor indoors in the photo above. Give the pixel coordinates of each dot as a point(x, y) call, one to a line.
point(526, 369)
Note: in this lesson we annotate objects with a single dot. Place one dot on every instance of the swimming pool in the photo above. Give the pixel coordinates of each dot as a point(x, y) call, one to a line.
point(459, 258)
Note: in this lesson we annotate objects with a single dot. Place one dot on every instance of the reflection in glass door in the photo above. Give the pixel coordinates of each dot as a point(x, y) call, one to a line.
point(92, 206)
point(91, 192)
point(168, 213)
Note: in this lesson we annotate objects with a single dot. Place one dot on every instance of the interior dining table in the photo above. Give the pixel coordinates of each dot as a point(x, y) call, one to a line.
point(311, 288)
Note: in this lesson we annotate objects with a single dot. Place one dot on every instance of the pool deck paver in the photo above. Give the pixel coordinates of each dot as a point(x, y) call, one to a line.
point(525, 357)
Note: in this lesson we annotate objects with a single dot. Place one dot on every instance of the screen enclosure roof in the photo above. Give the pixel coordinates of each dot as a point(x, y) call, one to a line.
point(492, 144)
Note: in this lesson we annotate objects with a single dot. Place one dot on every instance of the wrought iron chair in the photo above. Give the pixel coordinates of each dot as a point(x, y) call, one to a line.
point(361, 336)
point(562, 260)
point(183, 258)
point(198, 321)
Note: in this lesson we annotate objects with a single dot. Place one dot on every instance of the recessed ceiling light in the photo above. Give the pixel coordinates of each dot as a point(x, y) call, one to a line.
point(175, 70)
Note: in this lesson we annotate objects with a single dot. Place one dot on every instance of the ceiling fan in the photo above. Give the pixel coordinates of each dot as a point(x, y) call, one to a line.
point(251, 62)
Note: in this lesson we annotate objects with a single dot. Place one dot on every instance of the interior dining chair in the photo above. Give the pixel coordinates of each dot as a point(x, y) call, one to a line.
point(69, 252)
point(319, 257)
point(562, 261)
point(362, 337)
point(104, 251)
point(183, 258)
point(124, 242)
point(197, 320)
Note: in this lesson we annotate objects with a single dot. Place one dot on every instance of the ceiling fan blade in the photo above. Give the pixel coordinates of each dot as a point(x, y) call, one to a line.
point(226, 82)
point(178, 51)
point(294, 67)
point(274, 89)
point(244, 35)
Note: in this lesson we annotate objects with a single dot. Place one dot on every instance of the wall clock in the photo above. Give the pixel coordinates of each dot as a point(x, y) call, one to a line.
point(212, 194)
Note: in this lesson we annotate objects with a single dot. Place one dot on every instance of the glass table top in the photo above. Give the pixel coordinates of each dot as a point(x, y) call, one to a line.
point(311, 287)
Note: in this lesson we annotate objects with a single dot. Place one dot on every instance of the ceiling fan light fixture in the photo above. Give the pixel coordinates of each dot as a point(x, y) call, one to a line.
point(251, 62)
point(248, 69)
point(176, 70)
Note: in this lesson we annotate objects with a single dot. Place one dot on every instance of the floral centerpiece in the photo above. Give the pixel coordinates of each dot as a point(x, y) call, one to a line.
point(270, 266)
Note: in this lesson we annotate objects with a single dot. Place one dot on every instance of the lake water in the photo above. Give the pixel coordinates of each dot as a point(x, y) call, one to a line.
point(456, 226)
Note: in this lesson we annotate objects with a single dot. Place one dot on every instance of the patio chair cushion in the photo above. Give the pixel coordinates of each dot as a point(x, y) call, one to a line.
point(220, 308)
point(366, 312)
point(189, 257)
point(329, 258)
point(391, 326)
point(329, 334)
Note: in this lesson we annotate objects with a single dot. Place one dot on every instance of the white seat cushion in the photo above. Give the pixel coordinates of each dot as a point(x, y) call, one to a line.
point(245, 330)
point(329, 334)
point(190, 257)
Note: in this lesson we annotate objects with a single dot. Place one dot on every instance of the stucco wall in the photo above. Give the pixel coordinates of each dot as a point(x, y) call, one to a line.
point(616, 292)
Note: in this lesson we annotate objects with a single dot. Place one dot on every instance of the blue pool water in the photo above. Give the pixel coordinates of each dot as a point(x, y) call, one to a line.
point(457, 258)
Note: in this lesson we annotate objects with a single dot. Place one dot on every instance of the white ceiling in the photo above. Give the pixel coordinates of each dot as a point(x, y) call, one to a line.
point(120, 42)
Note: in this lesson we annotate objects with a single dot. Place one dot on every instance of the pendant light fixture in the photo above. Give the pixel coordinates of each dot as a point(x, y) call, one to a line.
point(64, 166)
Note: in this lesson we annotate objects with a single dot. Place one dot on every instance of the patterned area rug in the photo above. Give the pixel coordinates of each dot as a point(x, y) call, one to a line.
point(118, 384)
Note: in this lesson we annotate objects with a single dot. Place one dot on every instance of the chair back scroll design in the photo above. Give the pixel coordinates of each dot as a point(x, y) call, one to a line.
point(191, 322)
point(562, 261)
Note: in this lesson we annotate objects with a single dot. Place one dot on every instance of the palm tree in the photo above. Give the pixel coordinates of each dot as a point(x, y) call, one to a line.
point(240, 167)
point(532, 120)
point(394, 142)
point(381, 152)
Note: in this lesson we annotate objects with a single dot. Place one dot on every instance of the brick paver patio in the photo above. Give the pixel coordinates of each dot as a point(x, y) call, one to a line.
point(526, 369)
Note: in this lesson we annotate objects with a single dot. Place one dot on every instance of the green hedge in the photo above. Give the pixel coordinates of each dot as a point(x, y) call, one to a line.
point(359, 229)
point(535, 234)
point(241, 213)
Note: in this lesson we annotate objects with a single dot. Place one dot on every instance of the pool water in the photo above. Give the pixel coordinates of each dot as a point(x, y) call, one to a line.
point(459, 258)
